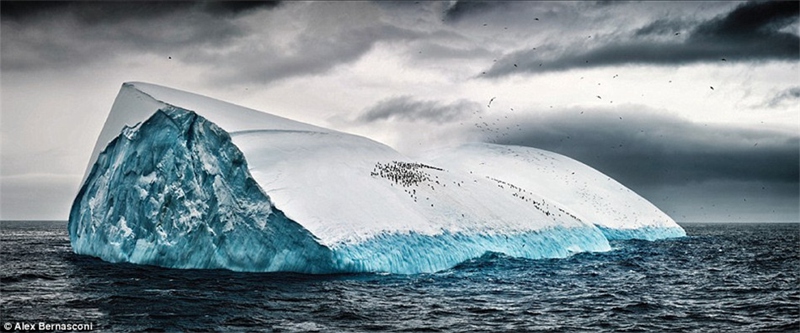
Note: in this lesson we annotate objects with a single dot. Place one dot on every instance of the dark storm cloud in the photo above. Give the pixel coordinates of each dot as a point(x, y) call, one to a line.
point(405, 108)
point(661, 27)
point(643, 148)
point(90, 13)
point(56, 35)
point(751, 32)
point(789, 96)
point(20, 10)
point(463, 9)
point(59, 35)
point(751, 21)
point(95, 12)
point(237, 7)
point(609, 2)
point(42, 35)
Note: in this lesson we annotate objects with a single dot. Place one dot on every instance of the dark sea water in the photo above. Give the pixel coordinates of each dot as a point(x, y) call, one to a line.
point(722, 277)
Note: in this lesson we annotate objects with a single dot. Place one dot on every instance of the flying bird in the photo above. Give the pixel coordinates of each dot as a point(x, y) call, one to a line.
point(723, 59)
point(490, 102)
point(712, 87)
point(536, 18)
point(598, 97)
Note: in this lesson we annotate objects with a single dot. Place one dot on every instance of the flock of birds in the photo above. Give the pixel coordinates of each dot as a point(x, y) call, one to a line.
point(524, 195)
point(494, 127)
point(407, 175)
point(410, 176)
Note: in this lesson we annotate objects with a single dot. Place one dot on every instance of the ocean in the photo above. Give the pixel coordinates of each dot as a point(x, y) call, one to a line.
point(721, 277)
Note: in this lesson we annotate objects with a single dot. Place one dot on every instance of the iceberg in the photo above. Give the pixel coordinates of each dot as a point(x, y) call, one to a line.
point(186, 181)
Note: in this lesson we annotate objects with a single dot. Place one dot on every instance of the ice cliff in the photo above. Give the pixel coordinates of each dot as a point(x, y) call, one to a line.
point(182, 180)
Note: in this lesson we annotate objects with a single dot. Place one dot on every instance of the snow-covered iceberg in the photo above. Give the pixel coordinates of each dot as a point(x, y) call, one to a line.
point(186, 181)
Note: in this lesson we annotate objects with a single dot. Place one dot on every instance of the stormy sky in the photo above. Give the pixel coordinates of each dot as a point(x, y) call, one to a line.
point(693, 105)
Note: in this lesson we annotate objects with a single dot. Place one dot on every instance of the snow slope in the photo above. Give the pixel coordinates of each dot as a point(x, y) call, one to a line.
point(182, 180)
point(591, 195)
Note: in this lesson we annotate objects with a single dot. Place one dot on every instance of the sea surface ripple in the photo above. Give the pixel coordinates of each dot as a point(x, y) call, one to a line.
point(722, 277)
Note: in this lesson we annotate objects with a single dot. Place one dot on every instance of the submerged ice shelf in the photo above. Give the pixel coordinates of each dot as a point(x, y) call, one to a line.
point(182, 180)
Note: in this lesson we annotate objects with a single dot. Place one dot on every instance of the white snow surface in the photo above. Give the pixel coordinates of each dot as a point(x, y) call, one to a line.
point(590, 195)
point(340, 187)
point(137, 101)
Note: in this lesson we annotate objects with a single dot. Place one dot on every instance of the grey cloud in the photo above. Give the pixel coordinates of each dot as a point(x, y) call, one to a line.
point(22, 10)
point(237, 7)
point(312, 53)
point(751, 20)
point(727, 201)
point(405, 108)
point(439, 51)
point(789, 96)
point(661, 27)
point(642, 148)
point(463, 9)
point(609, 2)
point(59, 35)
point(103, 12)
point(78, 33)
point(750, 32)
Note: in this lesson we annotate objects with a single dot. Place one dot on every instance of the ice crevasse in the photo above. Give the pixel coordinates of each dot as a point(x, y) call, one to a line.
point(186, 181)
